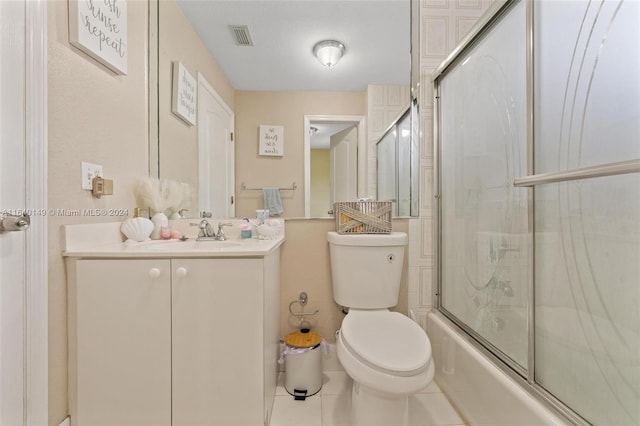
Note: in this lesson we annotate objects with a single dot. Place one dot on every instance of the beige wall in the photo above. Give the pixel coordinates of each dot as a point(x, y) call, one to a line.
point(305, 266)
point(178, 146)
point(94, 116)
point(319, 184)
point(283, 109)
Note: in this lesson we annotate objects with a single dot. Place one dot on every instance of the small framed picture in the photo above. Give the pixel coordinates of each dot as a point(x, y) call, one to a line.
point(184, 94)
point(271, 140)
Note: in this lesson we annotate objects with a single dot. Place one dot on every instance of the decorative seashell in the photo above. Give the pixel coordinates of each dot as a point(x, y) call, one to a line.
point(137, 228)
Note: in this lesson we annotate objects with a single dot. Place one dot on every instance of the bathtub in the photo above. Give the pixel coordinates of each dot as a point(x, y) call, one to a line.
point(481, 392)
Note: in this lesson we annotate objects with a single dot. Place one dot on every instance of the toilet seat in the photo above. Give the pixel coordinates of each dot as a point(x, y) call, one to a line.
point(386, 341)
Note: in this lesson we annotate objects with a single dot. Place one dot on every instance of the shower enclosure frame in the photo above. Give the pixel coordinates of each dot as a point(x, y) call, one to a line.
point(524, 376)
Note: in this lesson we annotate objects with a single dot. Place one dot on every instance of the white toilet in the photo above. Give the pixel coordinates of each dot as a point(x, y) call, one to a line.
point(387, 355)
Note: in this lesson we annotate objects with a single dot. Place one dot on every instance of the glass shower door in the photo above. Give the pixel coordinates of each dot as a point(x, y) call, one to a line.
point(587, 236)
point(485, 262)
point(538, 135)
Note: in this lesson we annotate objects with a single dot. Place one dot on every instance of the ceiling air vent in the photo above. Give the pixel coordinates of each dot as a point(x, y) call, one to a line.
point(242, 35)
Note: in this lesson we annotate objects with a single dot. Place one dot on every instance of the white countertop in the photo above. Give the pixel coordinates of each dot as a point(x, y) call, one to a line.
point(106, 241)
point(250, 247)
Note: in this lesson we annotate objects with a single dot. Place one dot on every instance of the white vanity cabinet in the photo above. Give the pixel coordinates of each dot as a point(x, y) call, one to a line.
point(174, 341)
point(225, 340)
point(119, 342)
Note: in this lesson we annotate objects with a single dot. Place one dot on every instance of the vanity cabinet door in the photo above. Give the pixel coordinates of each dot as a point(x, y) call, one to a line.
point(217, 329)
point(120, 342)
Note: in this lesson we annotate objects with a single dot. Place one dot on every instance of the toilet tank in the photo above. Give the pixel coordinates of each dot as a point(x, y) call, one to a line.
point(366, 269)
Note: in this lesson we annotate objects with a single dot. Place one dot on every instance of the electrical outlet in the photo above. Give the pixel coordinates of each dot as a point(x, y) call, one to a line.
point(89, 171)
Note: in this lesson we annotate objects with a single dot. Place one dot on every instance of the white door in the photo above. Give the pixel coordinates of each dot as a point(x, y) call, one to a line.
point(23, 296)
point(216, 152)
point(343, 165)
point(12, 199)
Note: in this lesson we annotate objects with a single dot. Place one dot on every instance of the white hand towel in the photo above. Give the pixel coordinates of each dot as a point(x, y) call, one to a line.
point(272, 201)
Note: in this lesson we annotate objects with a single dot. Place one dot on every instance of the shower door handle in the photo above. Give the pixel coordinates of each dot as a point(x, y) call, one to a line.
point(609, 169)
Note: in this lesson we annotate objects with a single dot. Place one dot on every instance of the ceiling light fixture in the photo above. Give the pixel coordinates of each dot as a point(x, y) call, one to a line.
point(329, 52)
point(313, 130)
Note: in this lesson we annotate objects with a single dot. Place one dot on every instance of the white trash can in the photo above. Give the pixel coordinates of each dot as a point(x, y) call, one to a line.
point(303, 364)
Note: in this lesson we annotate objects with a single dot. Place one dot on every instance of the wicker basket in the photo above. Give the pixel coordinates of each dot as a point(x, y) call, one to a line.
point(363, 217)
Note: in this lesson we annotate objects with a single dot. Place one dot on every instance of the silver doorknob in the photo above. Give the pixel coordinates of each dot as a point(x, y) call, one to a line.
point(15, 223)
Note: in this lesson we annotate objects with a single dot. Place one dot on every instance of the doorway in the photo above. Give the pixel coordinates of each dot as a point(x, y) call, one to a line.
point(216, 152)
point(335, 161)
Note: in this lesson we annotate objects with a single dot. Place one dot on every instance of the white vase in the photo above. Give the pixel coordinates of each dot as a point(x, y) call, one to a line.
point(159, 220)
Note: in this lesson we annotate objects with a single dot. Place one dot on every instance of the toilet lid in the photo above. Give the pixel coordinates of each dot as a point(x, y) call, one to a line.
point(386, 340)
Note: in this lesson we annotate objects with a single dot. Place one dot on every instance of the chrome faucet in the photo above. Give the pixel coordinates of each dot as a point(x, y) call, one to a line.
point(206, 231)
point(220, 235)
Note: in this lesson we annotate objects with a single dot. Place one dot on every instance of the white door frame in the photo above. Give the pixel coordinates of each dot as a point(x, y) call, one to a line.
point(36, 351)
point(362, 152)
point(37, 294)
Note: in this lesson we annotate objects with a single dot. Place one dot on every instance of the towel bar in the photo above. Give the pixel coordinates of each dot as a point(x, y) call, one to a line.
point(244, 187)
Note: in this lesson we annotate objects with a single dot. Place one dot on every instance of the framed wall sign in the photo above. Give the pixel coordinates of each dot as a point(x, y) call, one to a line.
point(99, 29)
point(271, 141)
point(184, 94)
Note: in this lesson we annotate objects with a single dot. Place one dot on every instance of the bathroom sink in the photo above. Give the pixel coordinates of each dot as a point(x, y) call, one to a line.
point(189, 245)
point(168, 245)
point(215, 245)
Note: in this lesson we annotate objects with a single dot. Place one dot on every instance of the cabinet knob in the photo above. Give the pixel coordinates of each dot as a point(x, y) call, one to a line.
point(181, 272)
point(154, 273)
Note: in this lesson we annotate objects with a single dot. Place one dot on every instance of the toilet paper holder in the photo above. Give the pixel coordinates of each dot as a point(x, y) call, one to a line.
point(302, 301)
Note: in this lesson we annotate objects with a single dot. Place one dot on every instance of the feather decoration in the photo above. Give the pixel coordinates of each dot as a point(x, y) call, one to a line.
point(162, 195)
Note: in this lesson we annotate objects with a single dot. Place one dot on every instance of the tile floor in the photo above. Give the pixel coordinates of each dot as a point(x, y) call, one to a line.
point(329, 407)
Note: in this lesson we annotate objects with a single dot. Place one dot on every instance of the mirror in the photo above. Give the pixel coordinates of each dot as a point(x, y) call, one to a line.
point(312, 91)
point(333, 169)
point(398, 165)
